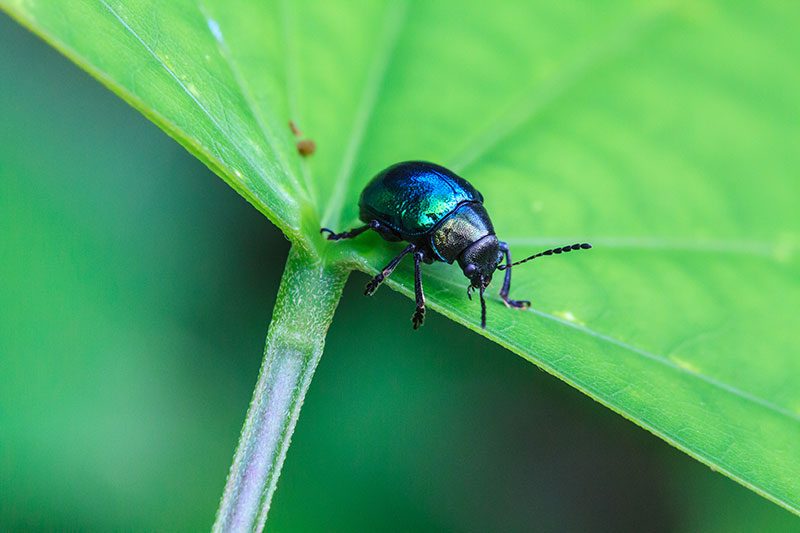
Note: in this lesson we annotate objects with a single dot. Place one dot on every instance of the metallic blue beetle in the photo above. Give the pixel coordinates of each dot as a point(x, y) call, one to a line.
point(442, 216)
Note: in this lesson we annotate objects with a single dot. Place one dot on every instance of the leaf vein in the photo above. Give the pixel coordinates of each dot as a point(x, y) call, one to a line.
point(740, 393)
point(666, 362)
point(526, 108)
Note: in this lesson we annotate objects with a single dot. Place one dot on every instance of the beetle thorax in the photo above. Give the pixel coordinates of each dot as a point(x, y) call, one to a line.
point(467, 224)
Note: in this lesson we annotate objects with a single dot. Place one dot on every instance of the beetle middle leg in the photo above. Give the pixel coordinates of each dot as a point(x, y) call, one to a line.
point(419, 313)
point(375, 282)
point(355, 232)
point(518, 304)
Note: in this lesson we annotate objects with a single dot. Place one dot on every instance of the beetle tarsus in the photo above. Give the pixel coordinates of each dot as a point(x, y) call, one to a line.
point(513, 304)
point(373, 285)
point(355, 232)
point(418, 318)
point(516, 304)
point(332, 235)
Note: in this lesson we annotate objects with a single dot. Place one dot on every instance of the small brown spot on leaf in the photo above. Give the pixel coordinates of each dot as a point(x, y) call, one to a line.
point(306, 147)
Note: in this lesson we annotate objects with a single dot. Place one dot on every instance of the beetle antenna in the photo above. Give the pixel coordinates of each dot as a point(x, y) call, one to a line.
point(562, 249)
point(483, 306)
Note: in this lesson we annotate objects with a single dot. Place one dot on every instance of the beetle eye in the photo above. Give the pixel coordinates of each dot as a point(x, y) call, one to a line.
point(469, 270)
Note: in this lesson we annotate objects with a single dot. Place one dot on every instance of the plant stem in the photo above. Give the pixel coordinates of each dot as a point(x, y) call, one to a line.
point(307, 298)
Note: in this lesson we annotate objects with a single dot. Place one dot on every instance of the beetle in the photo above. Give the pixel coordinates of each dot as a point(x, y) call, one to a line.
point(442, 217)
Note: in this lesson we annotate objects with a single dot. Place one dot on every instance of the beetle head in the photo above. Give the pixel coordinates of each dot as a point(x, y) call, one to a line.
point(479, 261)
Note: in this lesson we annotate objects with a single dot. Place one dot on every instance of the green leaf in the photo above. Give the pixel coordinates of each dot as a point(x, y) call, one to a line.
point(665, 133)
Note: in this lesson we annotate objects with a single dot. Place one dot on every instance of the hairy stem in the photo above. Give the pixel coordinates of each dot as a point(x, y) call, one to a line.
point(307, 298)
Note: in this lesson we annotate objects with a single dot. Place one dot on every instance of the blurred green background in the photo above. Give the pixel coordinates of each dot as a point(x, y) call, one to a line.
point(135, 292)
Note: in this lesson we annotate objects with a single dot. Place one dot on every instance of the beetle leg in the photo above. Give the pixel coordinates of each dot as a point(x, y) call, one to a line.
point(419, 314)
point(355, 232)
point(518, 304)
point(373, 284)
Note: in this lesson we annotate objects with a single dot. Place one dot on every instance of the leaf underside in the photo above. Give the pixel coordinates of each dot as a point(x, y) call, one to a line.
point(664, 133)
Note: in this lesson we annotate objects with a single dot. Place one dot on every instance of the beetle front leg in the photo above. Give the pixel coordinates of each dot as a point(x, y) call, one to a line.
point(517, 304)
point(419, 313)
point(375, 282)
point(355, 232)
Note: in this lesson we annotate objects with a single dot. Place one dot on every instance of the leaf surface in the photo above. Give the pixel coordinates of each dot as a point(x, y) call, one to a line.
point(664, 133)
